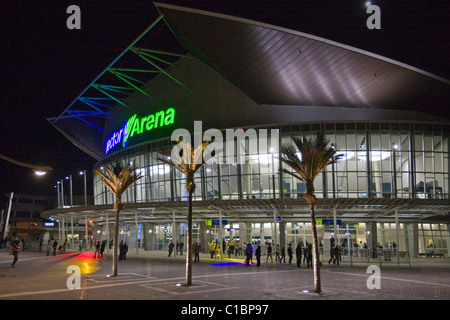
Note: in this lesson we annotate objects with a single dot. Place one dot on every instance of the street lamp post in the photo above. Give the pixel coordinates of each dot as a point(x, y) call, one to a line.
point(83, 173)
point(57, 190)
point(38, 170)
point(62, 193)
point(70, 186)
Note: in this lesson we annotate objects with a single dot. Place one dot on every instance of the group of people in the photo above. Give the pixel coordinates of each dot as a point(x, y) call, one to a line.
point(335, 254)
point(248, 250)
point(300, 250)
point(178, 247)
point(56, 246)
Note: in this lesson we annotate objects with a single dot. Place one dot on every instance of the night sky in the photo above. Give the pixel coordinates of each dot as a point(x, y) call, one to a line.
point(45, 66)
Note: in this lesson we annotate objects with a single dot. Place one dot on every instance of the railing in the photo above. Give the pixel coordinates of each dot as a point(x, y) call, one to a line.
point(375, 256)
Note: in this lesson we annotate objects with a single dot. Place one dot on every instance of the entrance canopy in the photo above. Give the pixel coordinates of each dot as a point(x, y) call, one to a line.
point(258, 210)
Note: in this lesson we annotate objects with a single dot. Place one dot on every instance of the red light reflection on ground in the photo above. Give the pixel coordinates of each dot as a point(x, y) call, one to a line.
point(86, 262)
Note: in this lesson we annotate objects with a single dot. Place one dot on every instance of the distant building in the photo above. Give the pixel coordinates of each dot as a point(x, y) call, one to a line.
point(25, 221)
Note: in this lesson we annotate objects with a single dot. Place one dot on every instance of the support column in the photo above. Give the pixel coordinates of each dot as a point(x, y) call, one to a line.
point(282, 225)
point(137, 232)
point(372, 229)
point(108, 235)
point(149, 231)
point(174, 232)
point(204, 243)
point(86, 232)
point(397, 227)
point(72, 241)
point(220, 234)
point(274, 240)
point(413, 240)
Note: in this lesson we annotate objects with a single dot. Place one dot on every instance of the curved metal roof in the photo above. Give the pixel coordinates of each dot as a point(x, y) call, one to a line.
point(277, 66)
point(279, 73)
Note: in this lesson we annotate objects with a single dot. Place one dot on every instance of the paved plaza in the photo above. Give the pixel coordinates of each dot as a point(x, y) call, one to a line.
point(155, 276)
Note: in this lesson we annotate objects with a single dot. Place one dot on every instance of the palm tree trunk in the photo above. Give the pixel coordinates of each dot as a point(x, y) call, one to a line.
point(116, 239)
point(317, 285)
point(189, 244)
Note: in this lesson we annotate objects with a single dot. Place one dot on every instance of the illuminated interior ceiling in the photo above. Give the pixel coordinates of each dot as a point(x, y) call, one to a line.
point(277, 66)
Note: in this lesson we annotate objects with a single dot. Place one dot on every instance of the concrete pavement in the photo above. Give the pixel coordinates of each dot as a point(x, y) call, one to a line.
point(154, 276)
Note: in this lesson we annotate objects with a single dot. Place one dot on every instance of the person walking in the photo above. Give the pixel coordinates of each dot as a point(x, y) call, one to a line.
point(212, 248)
point(332, 256)
point(15, 248)
point(298, 254)
point(283, 254)
point(102, 248)
point(258, 255)
point(55, 246)
point(269, 253)
point(171, 247)
point(97, 249)
point(289, 251)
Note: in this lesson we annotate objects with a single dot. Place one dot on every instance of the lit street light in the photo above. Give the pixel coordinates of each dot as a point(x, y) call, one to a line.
point(38, 170)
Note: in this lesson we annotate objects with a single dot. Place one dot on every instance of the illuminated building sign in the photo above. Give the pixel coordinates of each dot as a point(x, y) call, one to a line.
point(136, 126)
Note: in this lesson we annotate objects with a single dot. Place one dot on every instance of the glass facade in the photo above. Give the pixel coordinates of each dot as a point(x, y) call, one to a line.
point(380, 160)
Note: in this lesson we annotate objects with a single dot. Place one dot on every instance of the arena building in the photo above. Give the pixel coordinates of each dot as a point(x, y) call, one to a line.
point(391, 187)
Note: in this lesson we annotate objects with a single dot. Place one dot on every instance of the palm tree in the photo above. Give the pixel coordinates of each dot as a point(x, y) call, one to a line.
point(188, 163)
point(314, 156)
point(118, 179)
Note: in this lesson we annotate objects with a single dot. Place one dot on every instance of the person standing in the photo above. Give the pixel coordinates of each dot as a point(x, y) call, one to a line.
point(123, 251)
point(15, 247)
point(258, 255)
point(277, 253)
point(309, 255)
point(181, 248)
point(64, 246)
point(248, 251)
point(49, 246)
point(197, 252)
point(298, 254)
